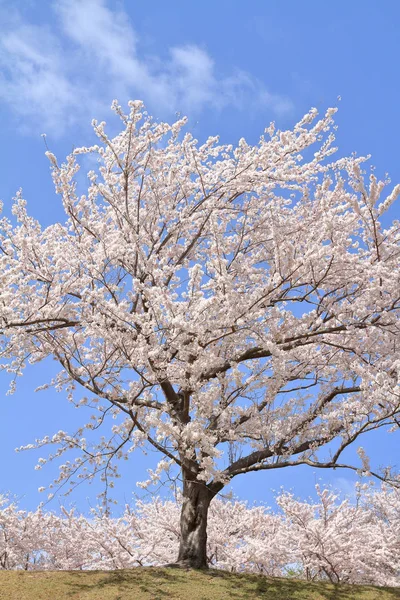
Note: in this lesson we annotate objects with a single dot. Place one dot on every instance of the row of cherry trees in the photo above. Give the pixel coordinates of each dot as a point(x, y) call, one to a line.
point(334, 539)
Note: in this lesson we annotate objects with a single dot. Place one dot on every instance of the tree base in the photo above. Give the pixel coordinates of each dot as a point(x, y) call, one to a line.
point(185, 564)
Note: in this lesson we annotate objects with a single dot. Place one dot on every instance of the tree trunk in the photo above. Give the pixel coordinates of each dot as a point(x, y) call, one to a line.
point(193, 544)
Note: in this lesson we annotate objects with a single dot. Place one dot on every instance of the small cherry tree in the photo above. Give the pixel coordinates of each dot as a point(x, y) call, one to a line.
point(237, 309)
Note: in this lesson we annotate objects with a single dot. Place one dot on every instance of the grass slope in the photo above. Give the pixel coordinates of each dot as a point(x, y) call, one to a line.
point(173, 584)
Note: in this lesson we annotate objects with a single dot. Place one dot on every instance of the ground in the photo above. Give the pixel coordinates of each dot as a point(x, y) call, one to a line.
point(173, 584)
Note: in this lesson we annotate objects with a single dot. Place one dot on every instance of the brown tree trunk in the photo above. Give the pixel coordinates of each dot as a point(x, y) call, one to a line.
point(193, 544)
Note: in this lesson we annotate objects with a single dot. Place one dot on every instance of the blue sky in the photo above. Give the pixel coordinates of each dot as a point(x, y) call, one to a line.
point(232, 67)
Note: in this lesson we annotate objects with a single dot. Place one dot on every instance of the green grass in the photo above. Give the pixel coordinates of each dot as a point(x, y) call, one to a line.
point(173, 584)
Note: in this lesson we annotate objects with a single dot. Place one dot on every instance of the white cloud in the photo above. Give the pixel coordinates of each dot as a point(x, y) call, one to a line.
point(52, 77)
point(108, 44)
point(192, 72)
point(32, 80)
point(347, 487)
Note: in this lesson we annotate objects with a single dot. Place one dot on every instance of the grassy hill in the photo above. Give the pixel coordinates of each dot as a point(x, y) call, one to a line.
point(173, 584)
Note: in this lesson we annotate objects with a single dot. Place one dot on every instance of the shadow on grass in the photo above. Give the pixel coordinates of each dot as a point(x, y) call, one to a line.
point(239, 586)
point(123, 581)
point(292, 589)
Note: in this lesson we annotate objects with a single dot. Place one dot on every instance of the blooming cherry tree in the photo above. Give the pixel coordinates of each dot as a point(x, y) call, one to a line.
point(235, 308)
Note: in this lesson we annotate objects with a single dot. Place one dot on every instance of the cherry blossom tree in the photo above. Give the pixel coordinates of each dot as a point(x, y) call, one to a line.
point(235, 308)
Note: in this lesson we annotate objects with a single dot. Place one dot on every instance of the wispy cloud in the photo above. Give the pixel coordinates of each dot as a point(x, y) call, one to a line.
point(53, 76)
point(33, 81)
point(347, 487)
